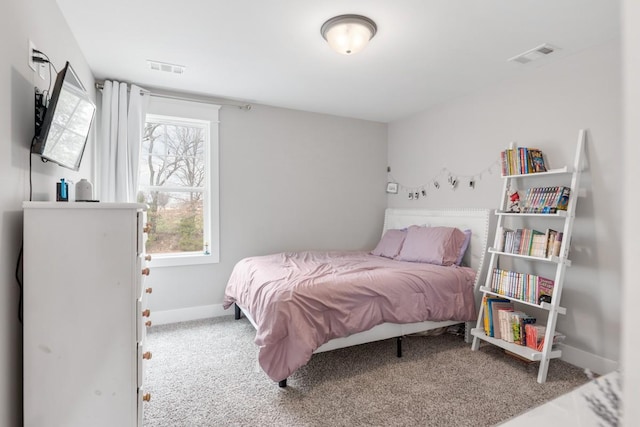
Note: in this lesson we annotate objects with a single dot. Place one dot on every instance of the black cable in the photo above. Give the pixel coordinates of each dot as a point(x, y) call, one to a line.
point(30, 170)
point(19, 261)
point(48, 61)
point(19, 280)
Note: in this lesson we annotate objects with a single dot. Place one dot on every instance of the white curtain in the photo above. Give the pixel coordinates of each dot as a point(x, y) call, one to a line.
point(122, 120)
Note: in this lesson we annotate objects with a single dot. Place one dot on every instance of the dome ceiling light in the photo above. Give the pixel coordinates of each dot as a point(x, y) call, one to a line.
point(348, 34)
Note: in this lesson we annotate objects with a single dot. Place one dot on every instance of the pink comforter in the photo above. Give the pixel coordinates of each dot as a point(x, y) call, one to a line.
point(301, 300)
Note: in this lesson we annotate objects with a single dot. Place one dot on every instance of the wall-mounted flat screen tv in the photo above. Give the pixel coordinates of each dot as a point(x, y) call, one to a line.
point(66, 123)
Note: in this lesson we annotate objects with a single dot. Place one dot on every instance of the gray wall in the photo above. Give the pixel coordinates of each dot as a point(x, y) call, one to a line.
point(289, 180)
point(545, 108)
point(40, 21)
point(631, 206)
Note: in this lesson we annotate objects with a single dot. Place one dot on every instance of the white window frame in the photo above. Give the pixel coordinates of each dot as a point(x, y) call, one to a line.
point(169, 110)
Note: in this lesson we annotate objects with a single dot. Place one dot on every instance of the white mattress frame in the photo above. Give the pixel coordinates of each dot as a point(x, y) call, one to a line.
point(477, 220)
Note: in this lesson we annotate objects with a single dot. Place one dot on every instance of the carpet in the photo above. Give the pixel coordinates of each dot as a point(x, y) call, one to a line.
point(205, 373)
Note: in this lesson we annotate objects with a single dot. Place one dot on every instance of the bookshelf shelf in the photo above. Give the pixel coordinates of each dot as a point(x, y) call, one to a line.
point(543, 306)
point(512, 235)
point(551, 259)
point(559, 171)
point(520, 350)
point(559, 214)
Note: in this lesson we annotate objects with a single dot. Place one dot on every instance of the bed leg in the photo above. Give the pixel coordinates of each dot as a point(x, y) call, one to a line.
point(238, 311)
point(399, 346)
point(282, 383)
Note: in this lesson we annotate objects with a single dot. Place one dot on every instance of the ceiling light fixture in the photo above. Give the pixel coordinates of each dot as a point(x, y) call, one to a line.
point(348, 34)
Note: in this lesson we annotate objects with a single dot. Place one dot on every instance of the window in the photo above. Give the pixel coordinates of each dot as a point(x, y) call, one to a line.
point(178, 180)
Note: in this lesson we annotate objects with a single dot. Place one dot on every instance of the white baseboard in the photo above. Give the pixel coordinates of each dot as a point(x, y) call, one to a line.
point(189, 313)
point(586, 360)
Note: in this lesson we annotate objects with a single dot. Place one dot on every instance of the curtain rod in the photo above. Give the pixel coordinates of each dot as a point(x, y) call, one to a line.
point(247, 107)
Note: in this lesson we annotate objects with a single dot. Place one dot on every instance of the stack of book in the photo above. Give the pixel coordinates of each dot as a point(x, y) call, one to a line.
point(522, 160)
point(522, 286)
point(501, 321)
point(524, 241)
point(534, 336)
point(545, 199)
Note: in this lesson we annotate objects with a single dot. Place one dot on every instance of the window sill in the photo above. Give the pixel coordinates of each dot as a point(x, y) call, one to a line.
point(177, 260)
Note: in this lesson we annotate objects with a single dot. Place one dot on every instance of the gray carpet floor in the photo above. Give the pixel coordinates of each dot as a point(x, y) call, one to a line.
point(205, 373)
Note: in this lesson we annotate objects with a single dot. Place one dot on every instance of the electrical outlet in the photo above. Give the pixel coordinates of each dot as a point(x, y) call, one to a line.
point(32, 64)
point(42, 68)
point(38, 67)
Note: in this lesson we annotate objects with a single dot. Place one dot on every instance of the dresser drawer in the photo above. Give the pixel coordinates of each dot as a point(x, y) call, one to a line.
point(144, 318)
point(143, 272)
point(144, 355)
point(140, 277)
point(143, 396)
point(142, 218)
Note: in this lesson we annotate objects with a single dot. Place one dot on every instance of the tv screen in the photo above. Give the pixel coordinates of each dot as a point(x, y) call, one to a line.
point(66, 122)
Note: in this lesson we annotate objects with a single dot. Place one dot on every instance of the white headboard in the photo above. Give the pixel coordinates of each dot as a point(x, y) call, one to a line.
point(476, 220)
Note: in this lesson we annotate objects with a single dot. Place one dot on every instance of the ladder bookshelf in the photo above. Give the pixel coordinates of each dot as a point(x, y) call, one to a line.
point(558, 262)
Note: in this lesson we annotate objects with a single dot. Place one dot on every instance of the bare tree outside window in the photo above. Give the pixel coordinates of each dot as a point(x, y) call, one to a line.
point(172, 182)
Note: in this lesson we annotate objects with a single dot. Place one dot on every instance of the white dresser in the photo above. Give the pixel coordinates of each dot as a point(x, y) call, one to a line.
point(85, 314)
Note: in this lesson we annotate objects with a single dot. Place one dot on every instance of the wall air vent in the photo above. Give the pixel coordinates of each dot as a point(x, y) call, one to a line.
point(166, 67)
point(533, 54)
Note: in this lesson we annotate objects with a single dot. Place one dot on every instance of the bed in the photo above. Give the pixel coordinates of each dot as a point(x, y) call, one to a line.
point(308, 302)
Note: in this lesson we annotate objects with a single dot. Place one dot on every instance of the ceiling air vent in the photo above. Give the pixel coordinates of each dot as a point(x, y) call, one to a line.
point(166, 67)
point(533, 54)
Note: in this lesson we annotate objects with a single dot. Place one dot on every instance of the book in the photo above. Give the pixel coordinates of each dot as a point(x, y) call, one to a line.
point(503, 163)
point(562, 201)
point(504, 331)
point(547, 200)
point(551, 237)
point(539, 244)
point(523, 160)
point(537, 160)
point(496, 304)
point(501, 238)
point(544, 287)
point(521, 336)
point(535, 336)
point(557, 244)
point(524, 242)
point(486, 316)
point(516, 241)
point(515, 323)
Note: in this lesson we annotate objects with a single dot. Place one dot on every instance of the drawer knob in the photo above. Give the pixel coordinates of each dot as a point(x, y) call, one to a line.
point(146, 397)
point(147, 257)
point(148, 323)
point(146, 271)
point(147, 355)
point(146, 313)
point(149, 290)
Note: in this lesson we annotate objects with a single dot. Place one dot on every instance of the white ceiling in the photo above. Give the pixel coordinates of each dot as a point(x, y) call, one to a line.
point(271, 51)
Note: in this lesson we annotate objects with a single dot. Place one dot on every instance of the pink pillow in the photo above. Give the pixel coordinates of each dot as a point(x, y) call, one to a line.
point(432, 245)
point(463, 248)
point(390, 244)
